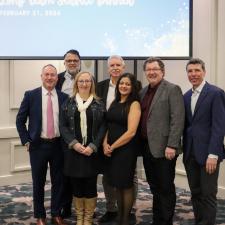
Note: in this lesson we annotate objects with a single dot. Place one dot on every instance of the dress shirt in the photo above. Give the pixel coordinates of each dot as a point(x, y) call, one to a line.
point(67, 86)
point(145, 106)
point(111, 94)
point(55, 105)
point(194, 98)
point(195, 95)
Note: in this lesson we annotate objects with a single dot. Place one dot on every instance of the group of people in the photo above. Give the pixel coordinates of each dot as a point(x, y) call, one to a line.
point(82, 129)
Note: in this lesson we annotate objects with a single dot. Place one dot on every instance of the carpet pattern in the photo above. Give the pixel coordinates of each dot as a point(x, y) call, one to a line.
point(16, 206)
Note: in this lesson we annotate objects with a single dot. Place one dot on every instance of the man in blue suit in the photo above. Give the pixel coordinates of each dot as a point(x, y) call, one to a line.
point(203, 141)
point(42, 140)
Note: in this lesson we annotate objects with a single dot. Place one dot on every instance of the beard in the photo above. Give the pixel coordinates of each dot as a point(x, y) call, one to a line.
point(73, 72)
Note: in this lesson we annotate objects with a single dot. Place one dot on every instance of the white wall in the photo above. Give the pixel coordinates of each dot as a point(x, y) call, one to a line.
point(18, 76)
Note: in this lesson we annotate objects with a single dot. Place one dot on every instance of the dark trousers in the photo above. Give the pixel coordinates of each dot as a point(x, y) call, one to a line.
point(67, 195)
point(203, 188)
point(160, 174)
point(41, 155)
point(84, 187)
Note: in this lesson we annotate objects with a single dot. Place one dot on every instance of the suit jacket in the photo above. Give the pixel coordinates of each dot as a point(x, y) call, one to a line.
point(204, 131)
point(165, 121)
point(60, 81)
point(31, 107)
point(103, 87)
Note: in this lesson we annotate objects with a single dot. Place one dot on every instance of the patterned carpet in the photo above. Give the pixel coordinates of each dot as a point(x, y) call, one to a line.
point(16, 206)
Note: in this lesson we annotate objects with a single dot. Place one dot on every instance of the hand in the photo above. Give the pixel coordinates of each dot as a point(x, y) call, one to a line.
point(28, 146)
point(211, 164)
point(107, 150)
point(87, 151)
point(170, 153)
point(78, 147)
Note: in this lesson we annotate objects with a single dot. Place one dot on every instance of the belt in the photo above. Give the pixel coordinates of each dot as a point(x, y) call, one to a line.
point(50, 140)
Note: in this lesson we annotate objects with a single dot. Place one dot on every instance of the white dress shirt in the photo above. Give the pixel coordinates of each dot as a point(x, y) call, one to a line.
point(195, 95)
point(111, 94)
point(67, 86)
point(55, 105)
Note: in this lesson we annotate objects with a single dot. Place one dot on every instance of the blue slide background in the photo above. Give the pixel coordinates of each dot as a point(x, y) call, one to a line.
point(133, 28)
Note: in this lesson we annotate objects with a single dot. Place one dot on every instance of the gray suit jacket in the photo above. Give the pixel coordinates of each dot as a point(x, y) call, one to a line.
point(165, 121)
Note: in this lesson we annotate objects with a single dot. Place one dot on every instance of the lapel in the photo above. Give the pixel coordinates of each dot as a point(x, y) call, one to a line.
point(158, 93)
point(105, 90)
point(188, 104)
point(201, 98)
point(59, 97)
point(39, 104)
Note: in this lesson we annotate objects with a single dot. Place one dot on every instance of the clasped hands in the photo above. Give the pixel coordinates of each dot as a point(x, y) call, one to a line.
point(107, 149)
point(82, 149)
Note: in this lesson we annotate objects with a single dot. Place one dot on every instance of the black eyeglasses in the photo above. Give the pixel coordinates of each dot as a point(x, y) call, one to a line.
point(72, 61)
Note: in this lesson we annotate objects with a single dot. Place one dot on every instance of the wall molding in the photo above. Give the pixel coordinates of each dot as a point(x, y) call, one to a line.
point(13, 163)
point(8, 132)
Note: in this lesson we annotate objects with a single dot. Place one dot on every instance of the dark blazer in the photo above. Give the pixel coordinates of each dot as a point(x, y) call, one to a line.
point(60, 81)
point(103, 87)
point(204, 131)
point(165, 119)
point(31, 107)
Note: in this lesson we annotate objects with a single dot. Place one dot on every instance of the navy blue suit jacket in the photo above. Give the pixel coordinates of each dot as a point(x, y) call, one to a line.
point(204, 131)
point(31, 107)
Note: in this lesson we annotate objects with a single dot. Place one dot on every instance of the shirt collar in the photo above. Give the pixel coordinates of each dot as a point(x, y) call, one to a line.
point(111, 84)
point(68, 76)
point(199, 88)
point(45, 91)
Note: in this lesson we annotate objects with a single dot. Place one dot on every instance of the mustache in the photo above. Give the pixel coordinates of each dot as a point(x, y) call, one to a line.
point(115, 70)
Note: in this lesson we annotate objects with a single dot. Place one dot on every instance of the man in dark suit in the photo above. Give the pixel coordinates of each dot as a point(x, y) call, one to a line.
point(66, 79)
point(203, 141)
point(65, 83)
point(106, 91)
point(42, 139)
point(161, 126)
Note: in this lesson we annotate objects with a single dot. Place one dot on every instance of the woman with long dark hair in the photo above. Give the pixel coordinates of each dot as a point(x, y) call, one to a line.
point(120, 143)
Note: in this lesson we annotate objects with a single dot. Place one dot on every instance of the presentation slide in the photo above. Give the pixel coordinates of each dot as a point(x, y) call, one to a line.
point(96, 28)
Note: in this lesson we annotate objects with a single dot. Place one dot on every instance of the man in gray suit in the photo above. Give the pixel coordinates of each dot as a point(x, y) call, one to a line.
point(162, 125)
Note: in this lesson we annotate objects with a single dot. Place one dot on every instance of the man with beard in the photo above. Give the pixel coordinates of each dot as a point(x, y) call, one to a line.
point(65, 84)
point(66, 79)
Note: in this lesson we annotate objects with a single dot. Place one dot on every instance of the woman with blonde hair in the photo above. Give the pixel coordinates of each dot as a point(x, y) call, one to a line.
point(82, 126)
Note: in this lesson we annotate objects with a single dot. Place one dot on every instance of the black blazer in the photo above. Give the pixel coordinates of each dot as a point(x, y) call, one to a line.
point(60, 81)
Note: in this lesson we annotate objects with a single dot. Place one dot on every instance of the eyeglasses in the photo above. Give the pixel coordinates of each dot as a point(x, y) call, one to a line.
point(152, 70)
point(72, 61)
point(84, 81)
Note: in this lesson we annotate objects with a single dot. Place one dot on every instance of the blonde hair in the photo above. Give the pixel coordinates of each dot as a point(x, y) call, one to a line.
point(92, 90)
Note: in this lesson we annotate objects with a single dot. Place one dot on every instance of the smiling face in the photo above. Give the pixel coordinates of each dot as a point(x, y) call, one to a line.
point(84, 83)
point(49, 77)
point(125, 87)
point(195, 74)
point(153, 73)
point(115, 68)
point(72, 64)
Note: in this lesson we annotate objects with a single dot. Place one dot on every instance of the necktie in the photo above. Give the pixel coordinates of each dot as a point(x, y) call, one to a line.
point(50, 118)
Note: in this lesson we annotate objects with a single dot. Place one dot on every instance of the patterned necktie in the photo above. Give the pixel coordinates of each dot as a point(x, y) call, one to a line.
point(50, 118)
